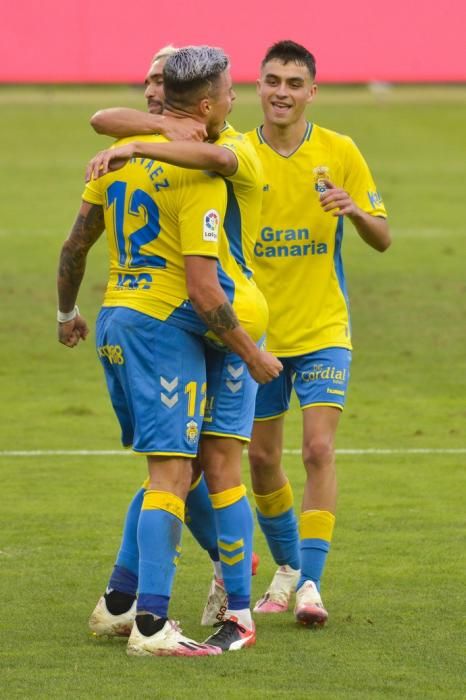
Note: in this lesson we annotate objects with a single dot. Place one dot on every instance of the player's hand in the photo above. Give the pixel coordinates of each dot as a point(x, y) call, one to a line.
point(109, 159)
point(73, 331)
point(183, 129)
point(337, 201)
point(264, 367)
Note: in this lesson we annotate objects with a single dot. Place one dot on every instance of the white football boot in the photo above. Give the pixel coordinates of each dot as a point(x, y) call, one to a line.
point(168, 641)
point(217, 601)
point(276, 599)
point(103, 623)
point(309, 609)
point(216, 604)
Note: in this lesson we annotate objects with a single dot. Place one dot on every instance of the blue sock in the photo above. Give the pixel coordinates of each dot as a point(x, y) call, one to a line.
point(278, 522)
point(235, 526)
point(128, 555)
point(159, 539)
point(281, 533)
point(316, 528)
point(200, 518)
point(313, 557)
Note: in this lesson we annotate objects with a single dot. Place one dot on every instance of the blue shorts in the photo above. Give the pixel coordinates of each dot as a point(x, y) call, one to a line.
point(155, 375)
point(231, 396)
point(319, 378)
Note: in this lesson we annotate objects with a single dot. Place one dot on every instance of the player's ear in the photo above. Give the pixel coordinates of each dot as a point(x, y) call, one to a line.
point(258, 86)
point(205, 106)
point(312, 93)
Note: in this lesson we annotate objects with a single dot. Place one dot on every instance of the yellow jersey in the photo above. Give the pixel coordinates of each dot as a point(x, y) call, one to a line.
point(155, 214)
point(297, 255)
point(244, 204)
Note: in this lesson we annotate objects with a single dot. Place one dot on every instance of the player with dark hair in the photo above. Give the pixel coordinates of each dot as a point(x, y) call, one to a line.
point(290, 52)
point(314, 178)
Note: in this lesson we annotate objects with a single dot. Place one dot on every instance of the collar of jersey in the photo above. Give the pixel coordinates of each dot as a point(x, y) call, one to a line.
point(306, 137)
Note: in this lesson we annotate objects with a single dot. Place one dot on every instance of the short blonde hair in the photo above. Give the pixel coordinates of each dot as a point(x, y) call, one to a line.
point(164, 52)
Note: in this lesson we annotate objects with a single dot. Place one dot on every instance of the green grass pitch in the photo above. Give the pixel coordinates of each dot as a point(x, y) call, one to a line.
point(394, 584)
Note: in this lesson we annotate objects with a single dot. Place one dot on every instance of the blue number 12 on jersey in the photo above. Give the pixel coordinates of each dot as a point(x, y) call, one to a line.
point(129, 245)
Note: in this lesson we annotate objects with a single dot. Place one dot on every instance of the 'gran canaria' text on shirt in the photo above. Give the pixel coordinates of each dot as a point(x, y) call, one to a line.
point(292, 243)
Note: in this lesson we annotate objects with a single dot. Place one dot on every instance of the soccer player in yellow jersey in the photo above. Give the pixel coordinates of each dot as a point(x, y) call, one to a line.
point(239, 163)
point(168, 251)
point(314, 179)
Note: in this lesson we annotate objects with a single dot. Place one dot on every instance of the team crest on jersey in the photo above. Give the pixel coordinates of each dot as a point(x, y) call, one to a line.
point(211, 225)
point(192, 431)
point(321, 173)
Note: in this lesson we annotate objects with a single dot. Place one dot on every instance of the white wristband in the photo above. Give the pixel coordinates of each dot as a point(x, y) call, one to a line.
point(64, 317)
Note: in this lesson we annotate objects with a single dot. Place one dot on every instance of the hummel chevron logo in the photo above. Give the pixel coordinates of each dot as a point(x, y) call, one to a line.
point(234, 387)
point(231, 561)
point(169, 386)
point(235, 373)
point(169, 403)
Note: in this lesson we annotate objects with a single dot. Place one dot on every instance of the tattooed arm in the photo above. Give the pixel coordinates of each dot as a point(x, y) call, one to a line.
point(212, 305)
point(86, 230)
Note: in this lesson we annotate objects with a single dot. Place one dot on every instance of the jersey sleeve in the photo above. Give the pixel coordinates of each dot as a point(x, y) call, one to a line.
point(359, 183)
point(249, 172)
point(93, 192)
point(201, 213)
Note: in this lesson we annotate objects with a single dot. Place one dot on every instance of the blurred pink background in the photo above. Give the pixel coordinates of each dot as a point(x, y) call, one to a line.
point(114, 40)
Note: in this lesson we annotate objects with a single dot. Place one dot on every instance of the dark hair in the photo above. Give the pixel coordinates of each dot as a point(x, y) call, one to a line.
point(286, 51)
point(191, 70)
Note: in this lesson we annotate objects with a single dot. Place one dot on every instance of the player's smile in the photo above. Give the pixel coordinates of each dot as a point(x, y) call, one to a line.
point(281, 110)
point(280, 106)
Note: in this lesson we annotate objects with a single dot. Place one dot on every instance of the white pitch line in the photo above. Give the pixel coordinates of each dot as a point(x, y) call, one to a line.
point(126, 453)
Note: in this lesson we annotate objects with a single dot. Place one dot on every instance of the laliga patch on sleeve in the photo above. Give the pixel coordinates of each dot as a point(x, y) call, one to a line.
point(211, 225)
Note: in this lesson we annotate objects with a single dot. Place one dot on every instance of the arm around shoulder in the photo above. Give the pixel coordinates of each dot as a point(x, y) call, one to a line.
point(123, 121)
point(189, 154)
